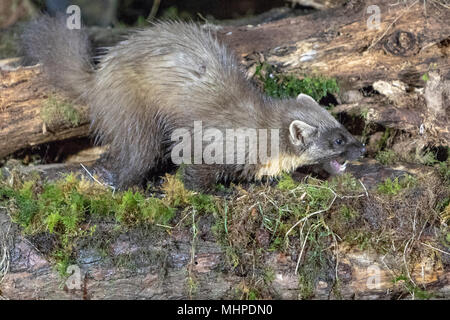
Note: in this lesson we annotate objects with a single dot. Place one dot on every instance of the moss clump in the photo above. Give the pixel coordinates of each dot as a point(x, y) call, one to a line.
point(284, 86)
point(286, 182)
point(68, 208)
point(444, 171)
point(55, 110)
point(387, 157)
point(134, 208)
point(176, 194)
point(203, 203)
point(394, 187)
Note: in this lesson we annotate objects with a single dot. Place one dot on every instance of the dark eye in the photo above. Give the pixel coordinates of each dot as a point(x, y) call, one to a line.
point(338, 141)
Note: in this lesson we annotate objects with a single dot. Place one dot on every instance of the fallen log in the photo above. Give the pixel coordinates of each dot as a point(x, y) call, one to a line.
point(154, 262)
point(32, 114)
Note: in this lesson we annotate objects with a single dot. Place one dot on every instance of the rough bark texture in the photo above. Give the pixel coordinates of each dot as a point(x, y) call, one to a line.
point(152, 263)
point(29, 113)
point(157, 268)
point(391, 59)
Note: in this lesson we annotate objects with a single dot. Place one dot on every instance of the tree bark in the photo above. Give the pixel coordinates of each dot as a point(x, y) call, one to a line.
point(146, 263)
point(393, 60)
point(159, 267)
point(29, 112)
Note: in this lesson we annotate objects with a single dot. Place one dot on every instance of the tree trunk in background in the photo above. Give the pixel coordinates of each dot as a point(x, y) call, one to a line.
point(407, 52)
point(32, 114)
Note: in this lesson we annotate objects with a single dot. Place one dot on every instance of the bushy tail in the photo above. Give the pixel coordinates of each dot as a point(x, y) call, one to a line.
point(64, 54)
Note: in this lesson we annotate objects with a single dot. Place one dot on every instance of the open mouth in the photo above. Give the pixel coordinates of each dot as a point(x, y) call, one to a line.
point(338, 165)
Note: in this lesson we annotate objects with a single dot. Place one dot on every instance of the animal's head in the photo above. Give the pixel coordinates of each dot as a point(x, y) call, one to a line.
point(319, 139)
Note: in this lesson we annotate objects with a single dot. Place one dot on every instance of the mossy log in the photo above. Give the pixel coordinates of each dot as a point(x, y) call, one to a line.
point(142, 266)
point(32, 114)
point(155, 262)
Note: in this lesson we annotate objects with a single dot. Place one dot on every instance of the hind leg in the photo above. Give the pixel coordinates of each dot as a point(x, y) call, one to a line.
point(200, 177)
point(137, 153)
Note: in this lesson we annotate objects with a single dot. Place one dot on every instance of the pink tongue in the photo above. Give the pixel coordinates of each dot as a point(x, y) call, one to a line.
point(335, 165)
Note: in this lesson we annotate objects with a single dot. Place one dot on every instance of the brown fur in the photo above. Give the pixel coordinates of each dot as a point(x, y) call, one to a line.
point(166, 77)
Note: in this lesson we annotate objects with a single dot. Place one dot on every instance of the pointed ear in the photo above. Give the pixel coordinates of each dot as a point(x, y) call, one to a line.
point(305, 98)
point(300, 132)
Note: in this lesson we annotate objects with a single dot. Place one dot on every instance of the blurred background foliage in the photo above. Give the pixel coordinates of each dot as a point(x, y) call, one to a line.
point(136, 12)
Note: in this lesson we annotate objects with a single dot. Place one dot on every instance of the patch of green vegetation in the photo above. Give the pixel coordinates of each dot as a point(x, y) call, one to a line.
point(413, 289)
point(284, 86)
point(394, 187)
point(55, 110)
point(66, 208)
point(444, 170)
point(203, 203)
point(135, 208)
point(386, 157)
point(176, 194)
point(348, 213)
point(286, 182)
point(316, 259)
point(346, 184)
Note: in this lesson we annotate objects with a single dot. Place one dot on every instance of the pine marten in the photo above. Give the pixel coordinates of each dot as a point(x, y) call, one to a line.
point(171, 76)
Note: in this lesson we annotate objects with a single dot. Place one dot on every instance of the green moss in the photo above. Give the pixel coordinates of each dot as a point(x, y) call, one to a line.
point(176, 194)
point(284, 86)
point(359, 238)
point(55, 110)
point(346, 184)
point(66, 207)
point(444, 171)
point(394, 187)
point(413, 289)
point(203, 203)
point(135, 209)
point(348, 213)
point(386, 157)
point(286, 182)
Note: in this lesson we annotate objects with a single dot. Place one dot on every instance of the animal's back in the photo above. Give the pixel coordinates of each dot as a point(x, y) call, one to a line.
point(161, 79)
point(178, 68)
